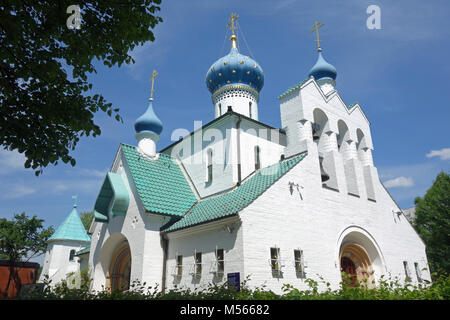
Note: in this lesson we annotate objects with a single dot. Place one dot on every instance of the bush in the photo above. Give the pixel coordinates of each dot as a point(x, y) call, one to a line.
point(387, 289)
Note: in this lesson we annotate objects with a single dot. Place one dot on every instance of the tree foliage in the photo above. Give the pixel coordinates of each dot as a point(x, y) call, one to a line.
point(86, 219)
point(432, 222)
point(46, 99)
point(22, 239)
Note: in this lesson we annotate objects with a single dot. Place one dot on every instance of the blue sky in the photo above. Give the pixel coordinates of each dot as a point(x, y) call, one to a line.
point(398, 74)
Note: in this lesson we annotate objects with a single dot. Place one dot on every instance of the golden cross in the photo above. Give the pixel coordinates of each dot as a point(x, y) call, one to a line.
point(231, 25)
point(152, 79)
point(316, 26)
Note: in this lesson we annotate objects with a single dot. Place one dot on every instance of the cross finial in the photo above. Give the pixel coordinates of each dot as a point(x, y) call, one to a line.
point(231, 25)
point(152, 79)
point(316, 26)
point(75, 197)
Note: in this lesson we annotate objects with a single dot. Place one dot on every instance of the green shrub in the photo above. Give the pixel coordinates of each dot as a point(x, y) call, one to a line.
point(387, 289)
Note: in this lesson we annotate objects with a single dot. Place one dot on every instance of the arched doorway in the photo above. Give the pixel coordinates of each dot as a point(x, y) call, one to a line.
point(356, 264)
point(120, 268)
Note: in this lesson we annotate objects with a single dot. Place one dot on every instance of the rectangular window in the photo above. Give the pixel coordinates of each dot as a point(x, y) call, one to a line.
point(275, 259)
point(407, 273)
point(179, 265)
point(418, 273)
point(298, 260)
point(198, 263)
point(220, 261)
point(249, 109)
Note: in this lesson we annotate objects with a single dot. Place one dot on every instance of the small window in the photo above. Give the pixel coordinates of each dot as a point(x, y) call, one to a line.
point(250, 109)
point(418, 273)
point(220, 109)
point(257, 158)
point(220, 261)
point(179, 267)
point(72, 255)
point(198, 263)
point(298, 260)
point(407, 272)
point(275, 260)
point(209, 167)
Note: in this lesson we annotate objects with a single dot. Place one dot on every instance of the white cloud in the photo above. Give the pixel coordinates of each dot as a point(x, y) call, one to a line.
point(399, 182)
point(18, 191)
point(443, 154)
point(10, 161)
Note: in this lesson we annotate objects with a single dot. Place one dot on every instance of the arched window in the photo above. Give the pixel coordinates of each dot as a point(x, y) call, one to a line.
point(209, 169)
point(71, 255)
point(250, 109)
point(257, 157)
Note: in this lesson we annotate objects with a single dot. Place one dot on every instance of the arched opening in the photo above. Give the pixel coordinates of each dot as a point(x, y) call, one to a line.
point(120, 268)
point(356, 265)
point(360, 259)
point(343, 135)
point(72, 255)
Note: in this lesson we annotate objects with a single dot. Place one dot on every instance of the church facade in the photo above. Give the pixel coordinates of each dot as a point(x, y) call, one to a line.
point(239, 199)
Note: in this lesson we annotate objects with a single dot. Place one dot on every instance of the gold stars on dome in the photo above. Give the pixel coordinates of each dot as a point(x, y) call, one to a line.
point(255, 66)
point(259, 77)
point(210, 80)
point(248, 72)
point(220, 74)
point(225, 63)
point(228, 81)
point(234, 71)
point(241, 62)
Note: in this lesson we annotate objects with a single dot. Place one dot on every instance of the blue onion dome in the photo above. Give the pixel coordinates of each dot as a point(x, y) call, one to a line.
point(234, 69)
point(148, 121)
point(322, 69)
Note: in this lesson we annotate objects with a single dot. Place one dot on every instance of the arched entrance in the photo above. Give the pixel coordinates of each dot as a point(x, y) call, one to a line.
point(120, 268)
point(356, 264)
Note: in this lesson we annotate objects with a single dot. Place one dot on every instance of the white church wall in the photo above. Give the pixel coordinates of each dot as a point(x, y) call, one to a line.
point(313, 219)
point(136, 227)
point(205, 239)
point(57, 263)
point(192, 152)
point(269, 143)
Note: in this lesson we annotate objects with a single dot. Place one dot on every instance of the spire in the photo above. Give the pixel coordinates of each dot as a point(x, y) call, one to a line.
point(71, 229)
point(148, 126)
point(152, 79)
point(316, 26)
point(232, 27)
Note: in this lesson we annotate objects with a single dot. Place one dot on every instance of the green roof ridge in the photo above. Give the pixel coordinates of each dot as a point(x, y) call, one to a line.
point(350, 106)
point(230, 203)
point(298, 85)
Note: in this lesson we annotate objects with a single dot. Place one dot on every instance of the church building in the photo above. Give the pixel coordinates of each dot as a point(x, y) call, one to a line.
point(240, 199)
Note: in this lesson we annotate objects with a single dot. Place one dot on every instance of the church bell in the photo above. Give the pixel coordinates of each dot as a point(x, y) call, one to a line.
point(315, 132)
point(323, 174)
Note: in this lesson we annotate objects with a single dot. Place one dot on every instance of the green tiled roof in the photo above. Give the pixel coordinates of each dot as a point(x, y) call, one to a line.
point(231, 203)
point(71, 229)
point(161, 184)
point(83, 251)
point(291, 89)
